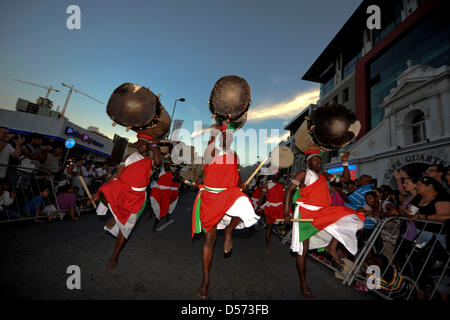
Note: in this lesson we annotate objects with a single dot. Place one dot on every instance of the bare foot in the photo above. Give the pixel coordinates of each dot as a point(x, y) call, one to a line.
point(112, 264)
point(75, 218)
point(335, 257)
point(38, 221)
point(268, 251)
point(228, 244)
point(306, 292)
point(202, 292)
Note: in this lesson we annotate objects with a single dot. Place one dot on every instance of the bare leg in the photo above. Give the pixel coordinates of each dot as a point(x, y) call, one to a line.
point(331, 250)
point(209, 239)
point(119, 245)
point(228, 243)
point(301, 269)
point(268, 237)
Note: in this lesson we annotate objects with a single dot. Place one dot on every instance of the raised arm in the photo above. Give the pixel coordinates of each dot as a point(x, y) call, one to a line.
point(298, 181)
point(156, 161)
point(346, 175)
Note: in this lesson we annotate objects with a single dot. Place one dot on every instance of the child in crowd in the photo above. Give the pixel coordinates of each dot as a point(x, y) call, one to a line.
point(35, 206)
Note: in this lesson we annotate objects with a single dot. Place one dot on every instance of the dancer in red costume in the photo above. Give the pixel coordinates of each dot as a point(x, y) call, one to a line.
point(220, 204)
point(255, 194)
point(174, 187)
point(273, 206)
point(330, 225)
point(160, 194)
point(124, 195)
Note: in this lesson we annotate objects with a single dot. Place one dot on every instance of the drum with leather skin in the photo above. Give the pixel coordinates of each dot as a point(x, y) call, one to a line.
point(139, 109)
point(329, 127)
point(159, 128)
point(229, 101)
point(281, 157)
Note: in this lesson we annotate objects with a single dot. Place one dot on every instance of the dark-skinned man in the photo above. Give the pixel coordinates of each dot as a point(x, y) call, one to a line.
point(220, 203)
point(124, 195)
point(160, 195)
point(273, 207)
point(330, 225)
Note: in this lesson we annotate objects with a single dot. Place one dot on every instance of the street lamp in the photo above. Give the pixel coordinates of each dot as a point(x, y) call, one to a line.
point(173, 111)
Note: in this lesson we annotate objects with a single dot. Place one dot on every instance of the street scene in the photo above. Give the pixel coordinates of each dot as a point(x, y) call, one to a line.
point(225, 150)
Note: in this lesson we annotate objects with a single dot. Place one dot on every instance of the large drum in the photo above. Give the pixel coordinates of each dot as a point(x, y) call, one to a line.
point(328, 127)
point(139, 109)
point(281, 157)
point(229, 101)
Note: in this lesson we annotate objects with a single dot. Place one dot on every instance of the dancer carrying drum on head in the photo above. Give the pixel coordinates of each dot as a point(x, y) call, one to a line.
point(220, 203)
point(330, 225)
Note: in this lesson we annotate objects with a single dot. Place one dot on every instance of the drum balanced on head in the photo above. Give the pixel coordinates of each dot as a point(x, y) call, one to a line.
point(328, 127)
point(139, 109)
point(230, 100)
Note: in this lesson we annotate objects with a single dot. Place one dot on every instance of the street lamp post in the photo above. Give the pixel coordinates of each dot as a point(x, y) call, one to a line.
point(173, 111)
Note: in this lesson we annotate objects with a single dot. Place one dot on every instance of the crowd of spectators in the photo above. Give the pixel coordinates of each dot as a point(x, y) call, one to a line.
point(418, 196)
point(35, 182)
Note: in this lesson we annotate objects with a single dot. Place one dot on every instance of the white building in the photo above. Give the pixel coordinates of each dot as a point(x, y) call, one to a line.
point(58, 129)
point(415, 130)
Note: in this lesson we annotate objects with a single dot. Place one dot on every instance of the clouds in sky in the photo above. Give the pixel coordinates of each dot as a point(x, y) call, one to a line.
point(284, 110)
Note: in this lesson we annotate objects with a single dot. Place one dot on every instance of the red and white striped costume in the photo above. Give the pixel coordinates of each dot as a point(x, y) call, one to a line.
point(328, 221)
point(255, 196)
point(126, 195)
point(160, 194)
point(274, 205)
point(220, 198)
point(173, 195)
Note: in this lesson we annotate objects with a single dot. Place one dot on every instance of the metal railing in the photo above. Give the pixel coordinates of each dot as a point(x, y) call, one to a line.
point(25, 185)
point(416, 263)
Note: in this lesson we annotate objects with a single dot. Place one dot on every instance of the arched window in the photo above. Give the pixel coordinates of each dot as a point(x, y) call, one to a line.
point(418, 128)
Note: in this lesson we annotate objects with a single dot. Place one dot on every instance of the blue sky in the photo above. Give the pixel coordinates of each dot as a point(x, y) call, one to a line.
point(177, 48)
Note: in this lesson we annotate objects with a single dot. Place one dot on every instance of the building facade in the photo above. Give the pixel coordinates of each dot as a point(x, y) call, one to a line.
point(395, 79)
point(414, 132)
point(57, 129)
point(360, 66)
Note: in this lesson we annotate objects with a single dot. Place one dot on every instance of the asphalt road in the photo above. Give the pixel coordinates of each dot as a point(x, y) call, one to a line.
point(155, 266)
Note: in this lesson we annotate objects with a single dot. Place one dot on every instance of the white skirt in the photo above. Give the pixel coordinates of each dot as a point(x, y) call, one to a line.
point(243, 209)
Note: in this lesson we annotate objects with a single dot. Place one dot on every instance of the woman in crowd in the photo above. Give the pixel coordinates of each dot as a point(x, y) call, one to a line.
point(434, 205)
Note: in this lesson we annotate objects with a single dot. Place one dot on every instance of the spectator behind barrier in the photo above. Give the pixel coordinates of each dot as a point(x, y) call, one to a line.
point(336, 198)
point(35, 206)
point(356, 199)
point(7, 199)
point(7, 142)
point(438, 172)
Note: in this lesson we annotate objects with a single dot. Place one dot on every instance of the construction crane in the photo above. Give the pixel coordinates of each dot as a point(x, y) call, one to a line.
point(72, 88)
point(40, 86)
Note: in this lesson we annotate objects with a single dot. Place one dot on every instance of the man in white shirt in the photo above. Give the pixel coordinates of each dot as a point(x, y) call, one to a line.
point(6, 149)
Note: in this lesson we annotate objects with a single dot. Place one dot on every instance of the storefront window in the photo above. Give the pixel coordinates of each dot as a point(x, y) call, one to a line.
point(418, 128)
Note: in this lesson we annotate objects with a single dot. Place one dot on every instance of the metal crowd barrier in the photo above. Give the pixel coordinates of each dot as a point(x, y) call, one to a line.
point(412, 269)
point(27, 183)
point(418, 253)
